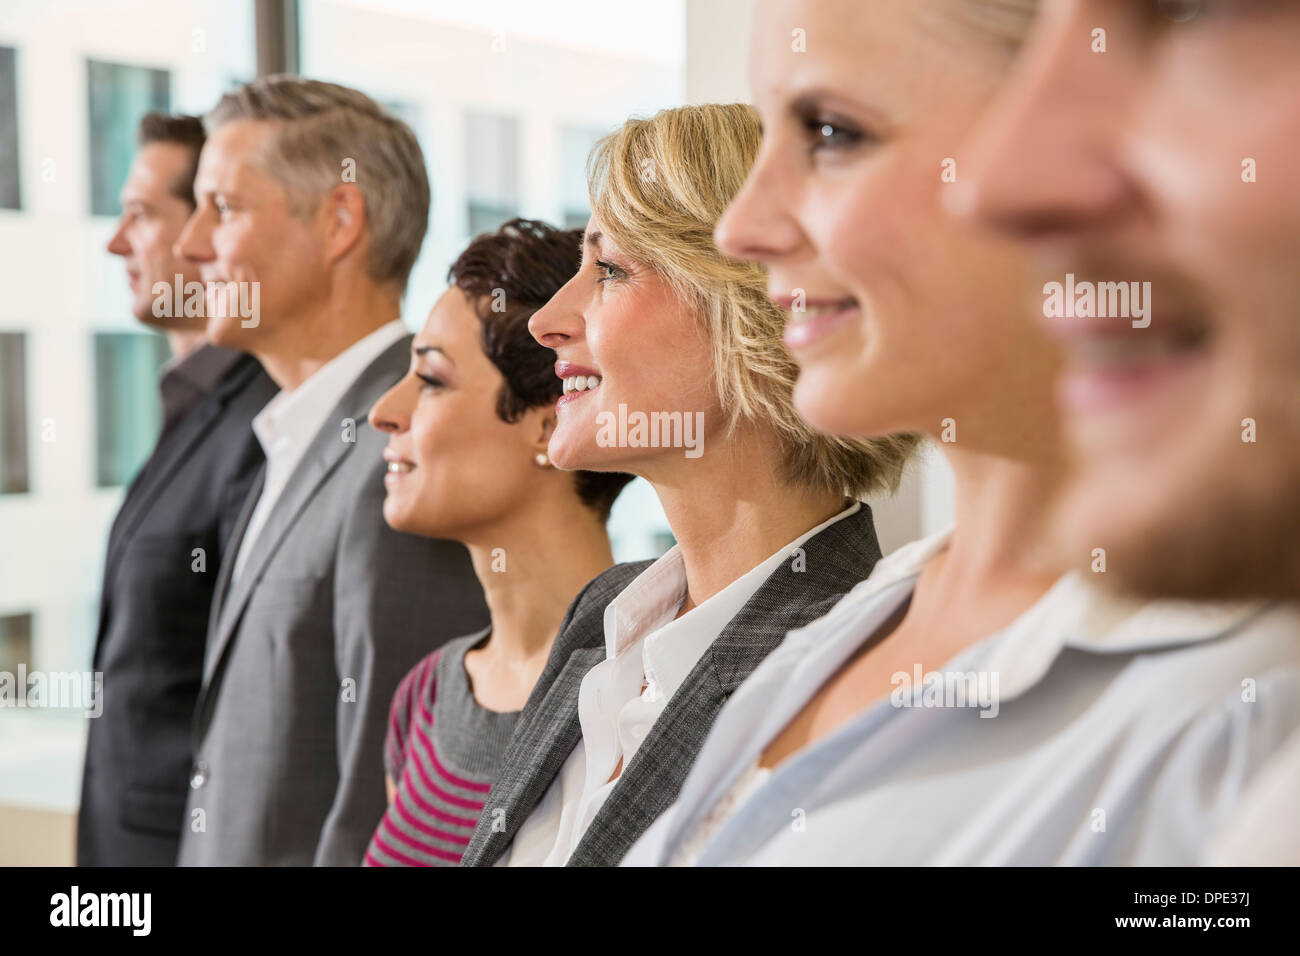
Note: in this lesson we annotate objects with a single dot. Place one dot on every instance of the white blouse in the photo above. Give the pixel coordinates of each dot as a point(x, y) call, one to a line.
point(649, 653)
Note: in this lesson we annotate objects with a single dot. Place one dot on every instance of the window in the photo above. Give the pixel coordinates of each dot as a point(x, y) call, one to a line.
point(15, 643)
point(492, 170)
point(128, 410)
point(575, 146)
point(13, 414)
point(119, 96)
point(10, 193)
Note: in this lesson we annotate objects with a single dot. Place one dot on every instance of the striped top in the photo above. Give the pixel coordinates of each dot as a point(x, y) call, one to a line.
point(443, 753)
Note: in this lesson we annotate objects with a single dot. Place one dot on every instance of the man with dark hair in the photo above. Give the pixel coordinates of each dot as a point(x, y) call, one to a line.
point(173, 529)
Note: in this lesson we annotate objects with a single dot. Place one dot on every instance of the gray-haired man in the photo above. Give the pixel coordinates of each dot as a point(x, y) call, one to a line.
point(312, 205)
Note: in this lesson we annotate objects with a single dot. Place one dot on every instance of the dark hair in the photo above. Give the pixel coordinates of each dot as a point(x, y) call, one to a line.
point(183, 131)
point(508, 275)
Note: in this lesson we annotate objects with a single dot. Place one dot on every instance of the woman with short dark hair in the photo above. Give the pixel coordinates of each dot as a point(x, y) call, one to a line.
point(468, 429)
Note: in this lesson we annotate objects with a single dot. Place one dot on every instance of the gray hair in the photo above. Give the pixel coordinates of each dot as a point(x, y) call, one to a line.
point(319, 127)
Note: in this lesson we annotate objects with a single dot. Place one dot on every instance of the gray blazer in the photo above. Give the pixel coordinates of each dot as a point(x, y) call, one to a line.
point(548, 730)
point(304, 652)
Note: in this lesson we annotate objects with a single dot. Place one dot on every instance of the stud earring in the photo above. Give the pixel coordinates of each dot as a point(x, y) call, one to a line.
point(542, 460)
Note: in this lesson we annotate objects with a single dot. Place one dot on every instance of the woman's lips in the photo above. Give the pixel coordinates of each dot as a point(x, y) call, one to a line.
point(398, 468)
point(816, 320)
point(568, 398)
point(579, 380)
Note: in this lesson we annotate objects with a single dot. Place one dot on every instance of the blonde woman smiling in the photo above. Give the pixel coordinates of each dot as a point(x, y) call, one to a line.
point(770, 532)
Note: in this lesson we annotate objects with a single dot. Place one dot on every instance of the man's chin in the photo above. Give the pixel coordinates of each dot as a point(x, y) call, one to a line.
point(1195, 535)
point(227, 333)
point(144, 315)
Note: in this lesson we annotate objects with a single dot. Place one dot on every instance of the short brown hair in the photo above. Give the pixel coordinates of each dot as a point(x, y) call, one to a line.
point(319, 127)
point(508, 275)
point(182, 130)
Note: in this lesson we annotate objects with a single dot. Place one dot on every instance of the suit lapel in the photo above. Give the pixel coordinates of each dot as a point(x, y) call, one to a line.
point(318, 462)
point(538, 749)
point(170, 454)
point(837, 559)
point(237, 535)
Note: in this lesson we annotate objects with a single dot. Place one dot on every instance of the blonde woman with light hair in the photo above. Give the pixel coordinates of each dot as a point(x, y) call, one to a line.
point(674, 370)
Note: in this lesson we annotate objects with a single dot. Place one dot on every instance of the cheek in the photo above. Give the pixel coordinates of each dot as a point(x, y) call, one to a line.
point(663, 360)
point(257, 249)
point(230, 242)
point(462, 437)
point(875, 228)
point(436, 434)
point(150, 244)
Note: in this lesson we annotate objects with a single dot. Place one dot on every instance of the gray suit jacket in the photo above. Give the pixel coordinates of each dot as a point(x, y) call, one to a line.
point(548, 730)
point(305, 650)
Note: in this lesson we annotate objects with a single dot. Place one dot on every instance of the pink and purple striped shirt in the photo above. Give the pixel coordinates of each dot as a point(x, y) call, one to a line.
point(443, 753)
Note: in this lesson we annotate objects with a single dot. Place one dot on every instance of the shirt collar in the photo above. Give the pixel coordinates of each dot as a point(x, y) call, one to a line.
point(1075, 612)
point(203, 368)
point(644, 613)
point(185, 380)
point(292, 419)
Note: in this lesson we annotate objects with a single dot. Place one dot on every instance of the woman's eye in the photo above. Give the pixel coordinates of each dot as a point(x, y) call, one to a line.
point(429, 382)
point(826, 133)
point(607, 271)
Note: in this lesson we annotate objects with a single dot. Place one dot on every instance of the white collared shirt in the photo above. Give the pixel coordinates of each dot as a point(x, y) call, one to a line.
point(1118, 732)
point(291, 420)
point(1265, 829)
point(646, 646)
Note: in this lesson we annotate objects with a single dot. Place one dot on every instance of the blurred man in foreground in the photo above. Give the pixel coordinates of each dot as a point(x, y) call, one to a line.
point(1153, 145)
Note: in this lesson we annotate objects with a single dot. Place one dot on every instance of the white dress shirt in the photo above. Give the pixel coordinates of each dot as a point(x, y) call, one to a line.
point(1120, 733)
point(1265, 829)
point(649, 653)
point(290, 421)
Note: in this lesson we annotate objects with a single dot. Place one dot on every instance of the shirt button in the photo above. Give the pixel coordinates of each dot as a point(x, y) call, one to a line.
point(198, 776)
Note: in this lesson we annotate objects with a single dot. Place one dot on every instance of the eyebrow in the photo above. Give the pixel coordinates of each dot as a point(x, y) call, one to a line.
point(422, 350)
point(593, 238)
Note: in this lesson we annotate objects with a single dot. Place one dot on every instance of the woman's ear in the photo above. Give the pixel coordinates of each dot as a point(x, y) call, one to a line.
point(544, 427)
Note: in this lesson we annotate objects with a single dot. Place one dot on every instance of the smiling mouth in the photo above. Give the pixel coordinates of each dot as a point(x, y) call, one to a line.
point(1126, 351)
point(577, 380)
point(581, 383)
point(816, 312)
point(1111, 369)
point(400, 467)
point(810, 324)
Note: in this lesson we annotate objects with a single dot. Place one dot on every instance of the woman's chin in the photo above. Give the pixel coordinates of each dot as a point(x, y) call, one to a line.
point(397, 513)
point(578, 456)
point(825, 401)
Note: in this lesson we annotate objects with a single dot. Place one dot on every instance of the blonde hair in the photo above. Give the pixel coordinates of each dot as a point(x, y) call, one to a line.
point(318, 127)
point(658, 187)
